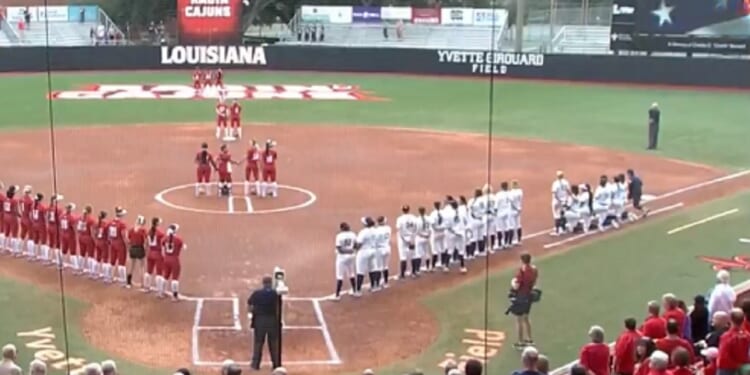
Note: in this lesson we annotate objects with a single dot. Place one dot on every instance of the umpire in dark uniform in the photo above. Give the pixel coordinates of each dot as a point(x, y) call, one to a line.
point(264, 305)
point(653, 126)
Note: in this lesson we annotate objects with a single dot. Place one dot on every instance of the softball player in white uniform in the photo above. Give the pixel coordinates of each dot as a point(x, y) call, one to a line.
point(620, 197)
point(383, 250)
point(366, 241)
point(406, 231)
point(584, 205)
point(422, 242)
point(560, 194)
point(439, 227)
point(457, 233)
point(478, 217)
point(502, 213)
point(345, 257)
point(514, 220)
point(603, 203)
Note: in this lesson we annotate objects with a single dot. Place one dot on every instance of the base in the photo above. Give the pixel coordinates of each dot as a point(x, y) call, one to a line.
point(229, 138)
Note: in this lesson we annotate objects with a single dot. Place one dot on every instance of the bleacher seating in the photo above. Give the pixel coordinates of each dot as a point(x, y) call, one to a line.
point(60, 34)
point(579, 39)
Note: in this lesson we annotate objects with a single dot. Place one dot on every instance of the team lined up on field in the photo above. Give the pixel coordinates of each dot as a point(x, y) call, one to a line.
point(94, 246)
point(454, 231)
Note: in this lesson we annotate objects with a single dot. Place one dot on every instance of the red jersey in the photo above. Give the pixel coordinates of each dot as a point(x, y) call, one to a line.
point(197, 76)
point(224, 159)
point(172, 246)
point(526, 277)
point(624, 361)
point(222, 110)
point(253, 156)
point(3, 199)
point(137, 237)
point(219, 75)
point(115, 229)
point(154, 242)
point(39, 215)
point(10, 207)
point(677, 315)
point(654, 327)
point(84, 225)
point(595, 358)
point(101, 231)
point(235, 110)
point(200, 160)
point(26, 203)
point(269, 158)
point(68, 224)
point(53, 217)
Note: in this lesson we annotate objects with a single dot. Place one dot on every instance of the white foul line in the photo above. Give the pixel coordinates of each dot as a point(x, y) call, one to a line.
point(249, 204)
point(196, 323)
point(230, 204)
point(702, 221)
point(236, 314)
point(582, 235)
point(334, 355)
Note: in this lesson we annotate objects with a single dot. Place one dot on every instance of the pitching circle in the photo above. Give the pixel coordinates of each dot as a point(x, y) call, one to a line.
point(160, 197)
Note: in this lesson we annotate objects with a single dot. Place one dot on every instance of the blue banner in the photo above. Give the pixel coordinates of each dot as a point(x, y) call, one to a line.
point(90, 13)
point(366, 14)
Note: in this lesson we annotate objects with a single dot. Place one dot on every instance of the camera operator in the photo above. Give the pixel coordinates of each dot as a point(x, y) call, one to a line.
point(263, 304)
point(522, 295)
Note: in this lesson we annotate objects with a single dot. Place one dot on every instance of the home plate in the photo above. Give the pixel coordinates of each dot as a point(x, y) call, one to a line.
point(745, 240)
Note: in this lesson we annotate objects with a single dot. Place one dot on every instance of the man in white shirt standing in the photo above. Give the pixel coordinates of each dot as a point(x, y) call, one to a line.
point(722, 296)
point(8, 366)
point(560, 194)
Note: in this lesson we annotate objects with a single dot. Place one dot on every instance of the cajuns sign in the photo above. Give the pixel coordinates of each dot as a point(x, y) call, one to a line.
point(209, 21)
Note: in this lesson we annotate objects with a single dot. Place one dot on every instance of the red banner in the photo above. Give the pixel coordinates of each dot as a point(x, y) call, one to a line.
point(209, 22)
point(425, 15)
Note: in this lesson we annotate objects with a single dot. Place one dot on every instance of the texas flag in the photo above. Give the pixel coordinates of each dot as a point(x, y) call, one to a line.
point(694, 17)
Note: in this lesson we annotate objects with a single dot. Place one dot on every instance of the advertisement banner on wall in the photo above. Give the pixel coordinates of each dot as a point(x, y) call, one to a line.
point(209, 22)
point(490, 17)
point(490, 63)
point(365, 14)
point(429, 16)
point(40, 13)
point(457, 16)
point(395, 13)
point(326, 14)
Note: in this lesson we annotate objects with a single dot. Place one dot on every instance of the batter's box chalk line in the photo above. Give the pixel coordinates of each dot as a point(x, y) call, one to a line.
point(236, 204)
point(322, 327)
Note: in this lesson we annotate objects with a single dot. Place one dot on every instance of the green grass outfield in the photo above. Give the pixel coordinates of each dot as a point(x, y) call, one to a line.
point(701, 126)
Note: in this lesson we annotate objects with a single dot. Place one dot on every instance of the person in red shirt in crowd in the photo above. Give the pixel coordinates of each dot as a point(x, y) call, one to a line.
point(11, 214)
point(643, 350)
point(710, 354)
point(654, 326)
point(625, 357)
point(117, 234)
point(269, 187)
point(673, 341)
point(672, 311)
point(523, 284)
point(197, 77)
point(54, 212)
point(204, 161)
point(101, 246)
point(172, 247)
point(84, 227)
point(252, 168)
point(68, 242)
point(746, 310)
point(137, 241)
point(681, 360)
point(26, 202)
point(219, 78)
point(222, 115)
point(658, 363)
point(39, 229)
point(154, 238)
point(733, 346)
point(594, 356)
point(235, 112)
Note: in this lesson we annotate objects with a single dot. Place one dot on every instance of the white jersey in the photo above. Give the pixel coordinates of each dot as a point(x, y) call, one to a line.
point(478, 207)
point(423, 228)
point(406, 227)
point(621, 192)
point(516, 199)
point(345, 243)
point(560, 189)
point(367, 238)
point(502, 202)
point(612, 187)
point(382, 236)
point(602, 196)
point(438, 222)
point(458, 222)
point(582, 201)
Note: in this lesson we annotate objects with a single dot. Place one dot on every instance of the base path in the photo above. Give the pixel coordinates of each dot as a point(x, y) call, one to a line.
point(352, 172)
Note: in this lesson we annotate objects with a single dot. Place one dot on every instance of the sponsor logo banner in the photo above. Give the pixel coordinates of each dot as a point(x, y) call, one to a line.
point(209, 21)
point(365, 14)
point(489, 17)
point(425, 15)
point(213, 55)
point(39, 14)
point(328, 14)
point(187, 92)
point(396, 13)
point(490, 63)
point(457, 16)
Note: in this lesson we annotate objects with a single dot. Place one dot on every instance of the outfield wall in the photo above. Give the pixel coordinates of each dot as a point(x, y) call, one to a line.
point(730, 73)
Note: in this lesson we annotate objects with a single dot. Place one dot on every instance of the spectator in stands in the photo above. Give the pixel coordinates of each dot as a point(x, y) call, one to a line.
point(682, 361)
point(699, 318)
point(400, 30)
point(722, 296)
point(542, 365)
point(37, 367)
point(710, 355)
point(8, 366)
point(672, 311)
point(473, 367)
point(322, 32)
point(673, 341)
point(720, 324)
point(92, 369)
point(385, 31)
point(733, 345)
point(27, 17)
point(643, 350)
point(529, 361)
point(594, 356)
point(687, 327)
point(109, 367)
point(654, 327)
point(624, 356)
point(658, 363)
point(82, 15)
